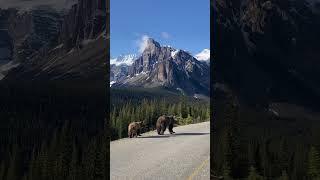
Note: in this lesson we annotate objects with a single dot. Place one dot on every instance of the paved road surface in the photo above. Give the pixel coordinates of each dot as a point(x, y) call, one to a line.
point(184, 155)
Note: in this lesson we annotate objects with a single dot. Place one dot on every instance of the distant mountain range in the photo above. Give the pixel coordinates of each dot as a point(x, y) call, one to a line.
point(164, 67)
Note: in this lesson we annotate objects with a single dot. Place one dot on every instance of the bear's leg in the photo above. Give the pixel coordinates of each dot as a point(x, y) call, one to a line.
point(171, 129)
point(163, 128)
point(139, 131)
point(158, 130)
point(158, 127)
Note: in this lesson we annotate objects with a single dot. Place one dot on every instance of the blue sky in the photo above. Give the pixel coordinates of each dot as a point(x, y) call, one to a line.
point(181, 24)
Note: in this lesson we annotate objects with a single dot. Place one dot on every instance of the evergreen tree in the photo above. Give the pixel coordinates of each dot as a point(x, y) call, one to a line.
point(226, 171)
point(284, 155)
point(284, 176)
point(98, 164)
point(74, 173)
point(2, 170)
point(89, 161)
point(33, 167)
point(42, 159)
point(12, 172)
point(184, 110)
point(52, 163)
point(253, 175)
point(314, 163)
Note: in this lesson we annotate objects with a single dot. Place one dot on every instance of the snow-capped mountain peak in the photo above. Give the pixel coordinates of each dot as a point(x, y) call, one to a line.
point(161, 66)
point(124, 60)
point(204, 55)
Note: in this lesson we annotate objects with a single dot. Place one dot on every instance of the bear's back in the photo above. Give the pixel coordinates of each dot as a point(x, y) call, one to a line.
point(162, 119)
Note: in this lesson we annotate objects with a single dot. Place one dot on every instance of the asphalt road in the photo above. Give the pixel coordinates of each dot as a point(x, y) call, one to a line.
point(184, 155)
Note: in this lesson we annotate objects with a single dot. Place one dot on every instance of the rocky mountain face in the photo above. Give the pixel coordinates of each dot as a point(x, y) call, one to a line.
point(86, 20)
point(26, 33)
point(162, 66)
point(268, 51)
point(118, 72)
point(44, 43)
point(119, 67)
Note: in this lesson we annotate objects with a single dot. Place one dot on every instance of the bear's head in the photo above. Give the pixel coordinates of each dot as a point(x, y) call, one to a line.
point(173, 119)
point(140, 124)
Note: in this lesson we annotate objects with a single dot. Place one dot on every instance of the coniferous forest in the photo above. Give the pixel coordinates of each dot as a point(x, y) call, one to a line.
point(128, 105)
point(270, 148)
point(53, 133)
point(53, 123)
point(265, 89)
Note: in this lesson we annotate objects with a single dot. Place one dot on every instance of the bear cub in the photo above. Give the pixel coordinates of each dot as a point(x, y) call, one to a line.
point(134, 129)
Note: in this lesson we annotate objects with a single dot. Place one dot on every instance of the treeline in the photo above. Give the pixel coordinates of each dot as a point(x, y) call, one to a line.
point(65, 156)
point(149, 109)
point(48, 133)
point(266, 149)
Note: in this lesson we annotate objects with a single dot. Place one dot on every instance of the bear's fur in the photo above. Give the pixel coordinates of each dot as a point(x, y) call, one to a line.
point(163, 122)
point(134, 129)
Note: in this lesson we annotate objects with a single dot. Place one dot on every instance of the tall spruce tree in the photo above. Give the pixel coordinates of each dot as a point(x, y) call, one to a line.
point(314, 163)
point(284, 176)
point(253, 175)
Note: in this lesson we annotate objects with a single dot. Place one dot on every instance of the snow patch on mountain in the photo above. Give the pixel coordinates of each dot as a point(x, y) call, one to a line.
point(173, 53)
point(124, 60)
point(204, 55)
point(112, 82)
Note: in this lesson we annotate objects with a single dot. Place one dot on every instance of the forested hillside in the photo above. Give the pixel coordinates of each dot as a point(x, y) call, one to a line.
point(51, 131)
point(266, 89)
point(53, 102)
point(128, 105)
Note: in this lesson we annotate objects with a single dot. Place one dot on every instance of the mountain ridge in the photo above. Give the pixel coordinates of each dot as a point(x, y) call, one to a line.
point(165, 66)
point(51, 45)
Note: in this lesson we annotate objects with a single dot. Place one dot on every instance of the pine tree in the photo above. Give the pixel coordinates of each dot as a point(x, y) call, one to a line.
point(98, 163)
point(12, 173)
point(43, 163)
point(253, 175)
point(89, 161)
point(53, 157)
point(314, 163)
point(284, 155)
point(33, 167)
point(284, 176)
point(226, 171)
point(2, 170)
point(184, 110)
point(73, 173)
point(65, 153)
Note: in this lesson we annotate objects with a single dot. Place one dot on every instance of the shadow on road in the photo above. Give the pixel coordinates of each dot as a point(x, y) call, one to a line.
point(176, 134)
point(158, 136)
point(190, 134)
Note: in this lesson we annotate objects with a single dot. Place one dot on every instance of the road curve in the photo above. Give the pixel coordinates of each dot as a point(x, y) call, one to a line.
point(184, 155)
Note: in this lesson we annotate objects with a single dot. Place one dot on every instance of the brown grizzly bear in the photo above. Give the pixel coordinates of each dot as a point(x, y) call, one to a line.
point(164, 121)
point(134, 129)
